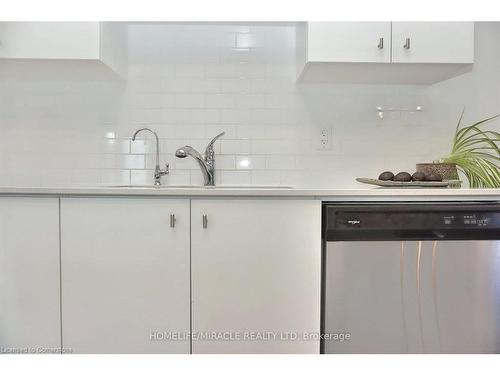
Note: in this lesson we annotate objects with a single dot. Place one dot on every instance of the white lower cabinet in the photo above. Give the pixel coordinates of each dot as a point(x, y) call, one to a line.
point(125, 275)
point(250, 266)
point(29, 275)
point(255, 275)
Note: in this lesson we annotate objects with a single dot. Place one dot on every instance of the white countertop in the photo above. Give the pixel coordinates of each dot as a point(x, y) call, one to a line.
point(325, 194)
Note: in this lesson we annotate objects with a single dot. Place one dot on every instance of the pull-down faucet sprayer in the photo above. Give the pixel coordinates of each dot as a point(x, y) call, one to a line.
point(206, 163)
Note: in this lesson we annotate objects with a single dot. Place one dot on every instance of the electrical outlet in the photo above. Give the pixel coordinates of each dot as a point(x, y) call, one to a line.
point(324, 142)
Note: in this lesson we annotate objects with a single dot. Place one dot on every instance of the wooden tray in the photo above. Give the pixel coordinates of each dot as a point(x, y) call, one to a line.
point(401, 184)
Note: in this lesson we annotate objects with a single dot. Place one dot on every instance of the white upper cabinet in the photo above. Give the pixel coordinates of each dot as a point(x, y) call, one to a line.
point(50, 40)
point(383, 52)
point(349, 41)
point(103, 43)
point(433, 42)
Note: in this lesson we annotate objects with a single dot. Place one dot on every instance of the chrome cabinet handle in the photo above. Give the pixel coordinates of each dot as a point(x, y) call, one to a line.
point(407, 44)
point(172, 221)
point(205, 221)
point(380, 44)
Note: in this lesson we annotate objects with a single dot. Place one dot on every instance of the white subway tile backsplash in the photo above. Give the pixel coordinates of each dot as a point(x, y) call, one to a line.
point(55, 178)
point(410, 118)
point(221, 70)
point(280, 162)
point(266, 85)
point(190, 131)
point(225, 162)
point(150, 161)
point(261, 116)
point(189, 101)
point(196, 178)
point(141, 176)
point(86, 177)
point(177, 177)
point(252, 70)
point(236, 177)
point(115, 146)
point(146, 84)
point(187, 163)
point(147, 116)
point(189, 88)
point(260, 131)
point(302, 177)
point(95, 161)
point(130, 161)
point(177, 85)
point(142, 146)
point(235, 85)
point(250, 101)
point(176, 116)
point(234, 146)
point(208, 85)
point(219, 101)
point(115, 177)
point(147, 100)
point(270, 146)
point(235, 116)
point(263, 177)
point(20, 178)
point(189, 70)
point(277, 101)
point(206, 116)
point(250, 162)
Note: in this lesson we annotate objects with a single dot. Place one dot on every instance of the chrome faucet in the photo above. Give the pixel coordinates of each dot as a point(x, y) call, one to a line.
point(158, 171)
point(206, 163)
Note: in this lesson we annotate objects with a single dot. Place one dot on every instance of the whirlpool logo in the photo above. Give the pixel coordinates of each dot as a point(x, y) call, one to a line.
point(353, 221)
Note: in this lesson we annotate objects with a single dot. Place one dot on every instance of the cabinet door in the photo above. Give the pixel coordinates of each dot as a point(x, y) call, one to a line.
point(255, 273)
point(29, 275)
point(125, 275)
point(49, 40)
point(433, 42)
point(349, 42)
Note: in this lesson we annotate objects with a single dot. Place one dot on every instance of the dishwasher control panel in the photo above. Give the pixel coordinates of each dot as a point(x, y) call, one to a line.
point(413, 220)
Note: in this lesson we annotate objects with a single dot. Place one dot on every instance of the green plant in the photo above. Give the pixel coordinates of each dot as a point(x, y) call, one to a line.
point(476, 153)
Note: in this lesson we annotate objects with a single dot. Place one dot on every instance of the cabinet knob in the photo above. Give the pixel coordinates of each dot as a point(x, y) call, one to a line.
point(205, 221)
point(407, 44)
point(172, 221)
point(380, 44)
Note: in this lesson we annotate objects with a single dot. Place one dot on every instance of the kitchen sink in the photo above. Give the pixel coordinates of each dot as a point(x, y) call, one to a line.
point(200, 187)
point(150, 186)
point(248, 187)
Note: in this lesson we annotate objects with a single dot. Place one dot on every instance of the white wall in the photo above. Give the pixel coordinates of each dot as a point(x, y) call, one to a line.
point(190, 82)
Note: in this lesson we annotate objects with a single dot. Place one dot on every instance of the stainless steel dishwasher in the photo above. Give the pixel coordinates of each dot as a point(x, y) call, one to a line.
point(411, 278)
